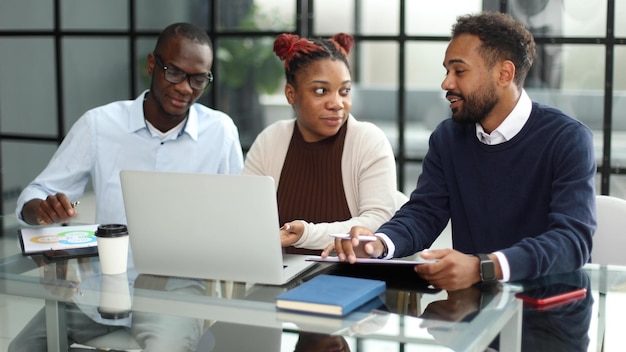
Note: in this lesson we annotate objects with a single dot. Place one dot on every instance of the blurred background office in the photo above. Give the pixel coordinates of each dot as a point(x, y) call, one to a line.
point(59, 58)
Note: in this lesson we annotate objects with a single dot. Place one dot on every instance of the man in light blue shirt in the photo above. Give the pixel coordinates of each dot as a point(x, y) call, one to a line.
point(162, 130)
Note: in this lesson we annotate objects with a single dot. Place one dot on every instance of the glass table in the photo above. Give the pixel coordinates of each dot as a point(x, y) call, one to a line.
point(84, 308)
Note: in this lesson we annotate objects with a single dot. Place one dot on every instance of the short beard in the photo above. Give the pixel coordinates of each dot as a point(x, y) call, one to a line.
point(477, 105)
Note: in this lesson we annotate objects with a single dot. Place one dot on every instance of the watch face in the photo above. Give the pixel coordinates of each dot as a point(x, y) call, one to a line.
point(487, 271)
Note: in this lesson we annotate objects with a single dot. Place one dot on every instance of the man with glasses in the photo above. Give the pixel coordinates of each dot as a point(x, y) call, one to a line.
point(162, 130)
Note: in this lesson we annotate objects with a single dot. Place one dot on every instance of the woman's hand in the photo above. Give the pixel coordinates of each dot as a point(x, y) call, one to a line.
point(291, 232)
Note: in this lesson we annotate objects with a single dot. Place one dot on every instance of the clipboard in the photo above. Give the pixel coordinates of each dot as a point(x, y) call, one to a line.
point(57, 242)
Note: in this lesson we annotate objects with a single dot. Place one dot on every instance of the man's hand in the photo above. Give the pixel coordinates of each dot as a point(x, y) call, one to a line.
point(453, 271)
point(349, 250)
point(55, 209)
point(456, 307)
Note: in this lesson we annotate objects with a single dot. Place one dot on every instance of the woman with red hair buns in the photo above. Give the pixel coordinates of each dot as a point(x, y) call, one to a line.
point(332, 171)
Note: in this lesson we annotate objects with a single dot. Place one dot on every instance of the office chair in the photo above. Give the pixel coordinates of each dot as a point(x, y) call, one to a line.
point(609, 240)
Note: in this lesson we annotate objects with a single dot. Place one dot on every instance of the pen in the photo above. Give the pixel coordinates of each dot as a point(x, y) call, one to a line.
point(75, 204)
point(346, 236)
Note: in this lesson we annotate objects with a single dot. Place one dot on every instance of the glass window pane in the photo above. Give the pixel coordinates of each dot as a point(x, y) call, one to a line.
point(94, 14)
point(437, 17)
point(144, 46)
point(618, 143)
point(618, 138)
point(425, 103)
point(424, 64)
point(276, 15)
point(379, 17)
point(332, 16)
point(260, 15)
point(28, 86)
point(95, 72)
point(17, 173)
point(374, 96)
point(247, 69)
point(581, 92)
point(619, 70)
point(19, 14)
point(158, 14)
point(412, 171)
point(547, 70)
point(568, 67)
point(620, 19)
point(584, 18)
point(617, 186)
point(375, 93)
point(567, 18)
point(377, 63)
point(583, 66)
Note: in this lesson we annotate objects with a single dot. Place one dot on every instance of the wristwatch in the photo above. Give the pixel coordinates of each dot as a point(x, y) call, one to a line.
point(487, 268)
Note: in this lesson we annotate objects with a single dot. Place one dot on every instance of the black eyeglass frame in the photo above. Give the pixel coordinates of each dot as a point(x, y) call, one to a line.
point(176, 75)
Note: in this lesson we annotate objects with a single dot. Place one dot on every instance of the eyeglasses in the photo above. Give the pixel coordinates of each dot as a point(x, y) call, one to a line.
point(175, 75)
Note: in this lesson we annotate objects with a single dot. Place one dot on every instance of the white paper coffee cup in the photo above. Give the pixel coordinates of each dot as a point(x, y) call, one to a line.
point(115, 302)
point(112, 248)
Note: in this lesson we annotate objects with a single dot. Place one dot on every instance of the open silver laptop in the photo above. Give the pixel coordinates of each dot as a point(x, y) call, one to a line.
point(222, 227)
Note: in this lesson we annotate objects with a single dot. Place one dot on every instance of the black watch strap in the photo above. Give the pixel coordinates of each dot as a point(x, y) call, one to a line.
point(487, 268)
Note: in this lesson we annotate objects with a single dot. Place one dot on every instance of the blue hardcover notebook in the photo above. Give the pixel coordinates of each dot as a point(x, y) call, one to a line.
point(330, 294)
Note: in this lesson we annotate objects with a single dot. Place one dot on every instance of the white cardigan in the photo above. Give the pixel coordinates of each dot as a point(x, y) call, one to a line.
point(368, 171)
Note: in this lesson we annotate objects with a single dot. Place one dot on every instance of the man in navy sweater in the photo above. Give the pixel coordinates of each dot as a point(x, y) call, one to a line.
point(516, 178)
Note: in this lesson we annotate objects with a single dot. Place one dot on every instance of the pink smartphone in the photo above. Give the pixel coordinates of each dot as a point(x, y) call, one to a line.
point(552, 296)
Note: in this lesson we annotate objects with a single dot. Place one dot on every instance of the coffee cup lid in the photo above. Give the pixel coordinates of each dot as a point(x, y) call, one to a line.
point(114, 315)
point(111, 230)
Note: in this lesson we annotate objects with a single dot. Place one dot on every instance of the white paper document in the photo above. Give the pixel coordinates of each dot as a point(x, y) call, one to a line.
point(40, 239)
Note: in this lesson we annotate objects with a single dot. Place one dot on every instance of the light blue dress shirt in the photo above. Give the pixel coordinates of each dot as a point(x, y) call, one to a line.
point(115, 136)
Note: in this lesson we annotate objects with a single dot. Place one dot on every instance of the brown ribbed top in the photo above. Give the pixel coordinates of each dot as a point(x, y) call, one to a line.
point(311, 186)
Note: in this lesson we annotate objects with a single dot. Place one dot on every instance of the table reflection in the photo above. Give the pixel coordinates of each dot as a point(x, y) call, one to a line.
point(312, 342)
point(80, 285)
point(82, 292)
point(559, 328)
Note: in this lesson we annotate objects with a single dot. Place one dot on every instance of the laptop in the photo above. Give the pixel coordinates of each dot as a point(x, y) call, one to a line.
point(207, 226)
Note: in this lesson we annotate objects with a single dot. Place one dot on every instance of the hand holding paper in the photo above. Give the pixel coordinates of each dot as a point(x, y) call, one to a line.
point(346, 236)
point(360, 242)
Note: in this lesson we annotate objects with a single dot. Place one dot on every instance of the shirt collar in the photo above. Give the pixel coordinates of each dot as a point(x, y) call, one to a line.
point(136, 114)
point(511, 125)
point(137, 119)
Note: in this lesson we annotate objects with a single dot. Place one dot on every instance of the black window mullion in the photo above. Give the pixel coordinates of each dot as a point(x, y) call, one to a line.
point(605, 169)
point(401, 109)
point(58, 53)
point(132, 25)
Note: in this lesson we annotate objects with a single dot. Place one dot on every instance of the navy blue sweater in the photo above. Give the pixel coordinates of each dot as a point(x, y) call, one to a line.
point(532, 197)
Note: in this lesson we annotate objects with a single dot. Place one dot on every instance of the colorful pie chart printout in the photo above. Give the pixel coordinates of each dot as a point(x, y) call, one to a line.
point(36, 240)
